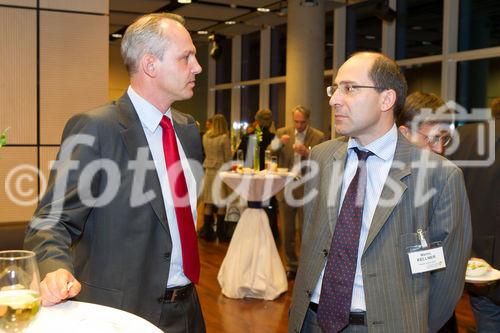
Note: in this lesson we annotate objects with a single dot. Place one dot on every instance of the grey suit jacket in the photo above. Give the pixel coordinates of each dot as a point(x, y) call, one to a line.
point(396, 300)
point(119, 251)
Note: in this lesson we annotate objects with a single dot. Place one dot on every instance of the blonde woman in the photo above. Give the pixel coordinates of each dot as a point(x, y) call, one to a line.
point(217, 145)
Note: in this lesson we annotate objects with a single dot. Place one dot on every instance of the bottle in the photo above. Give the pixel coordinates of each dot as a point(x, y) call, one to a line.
point(256, 158)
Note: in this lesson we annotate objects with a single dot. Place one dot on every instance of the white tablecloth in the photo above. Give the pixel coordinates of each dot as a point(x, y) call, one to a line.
point(80, 317)
point(252, 266)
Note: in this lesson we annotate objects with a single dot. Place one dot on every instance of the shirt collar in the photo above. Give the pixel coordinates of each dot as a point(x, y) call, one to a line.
point(149, 115)
point(384, 147)
point(301, 133)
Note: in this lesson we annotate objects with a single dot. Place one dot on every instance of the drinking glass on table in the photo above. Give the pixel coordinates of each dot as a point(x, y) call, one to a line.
point(19, 290)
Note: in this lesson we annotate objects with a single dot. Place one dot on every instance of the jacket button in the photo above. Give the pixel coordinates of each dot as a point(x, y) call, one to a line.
point(309, 293)
point(160, 300)
point(166, 255)
point(325, 252)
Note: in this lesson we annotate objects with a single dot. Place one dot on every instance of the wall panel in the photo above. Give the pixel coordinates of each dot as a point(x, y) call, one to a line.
point(18, 74)
point(28, 3)
point(73, 68)
point(90, 6)
point(18, 170)
point(47, 156)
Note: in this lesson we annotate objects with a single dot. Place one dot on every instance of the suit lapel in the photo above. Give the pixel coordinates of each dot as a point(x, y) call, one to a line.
point(334, 172)
point(308, 137)
point(393, 189)
point(134, 138)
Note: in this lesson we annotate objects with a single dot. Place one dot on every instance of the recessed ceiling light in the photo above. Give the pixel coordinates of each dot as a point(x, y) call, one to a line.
point(184, 1)
point(202, 32)
point(116, 35)
point(425, 42)
point(263, 10)
point(370, 37)
point(230, 22)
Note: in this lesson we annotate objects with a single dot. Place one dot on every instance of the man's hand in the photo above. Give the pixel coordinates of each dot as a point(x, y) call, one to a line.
point(58, 286)
point(285, 138)
point(300, 149)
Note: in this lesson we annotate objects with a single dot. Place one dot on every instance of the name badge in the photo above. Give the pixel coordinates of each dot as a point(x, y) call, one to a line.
point(427, 260)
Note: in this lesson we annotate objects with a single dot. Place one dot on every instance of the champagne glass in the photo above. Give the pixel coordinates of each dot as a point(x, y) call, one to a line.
point(19, 290)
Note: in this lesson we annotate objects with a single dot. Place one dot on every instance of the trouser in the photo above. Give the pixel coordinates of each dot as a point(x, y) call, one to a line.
point(487, 314)
point(288, 219)
point(311, 325)
point(183, 316)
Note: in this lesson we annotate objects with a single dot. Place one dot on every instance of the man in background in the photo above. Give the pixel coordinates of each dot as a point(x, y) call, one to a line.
point(424, 129)
point(134, 249)
point(293, 145)
point(483, 190)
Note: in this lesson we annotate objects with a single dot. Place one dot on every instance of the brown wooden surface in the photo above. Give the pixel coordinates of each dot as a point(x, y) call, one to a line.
point(223, 314)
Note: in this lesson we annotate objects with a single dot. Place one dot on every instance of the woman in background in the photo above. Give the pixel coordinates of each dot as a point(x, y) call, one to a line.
point(217, 146)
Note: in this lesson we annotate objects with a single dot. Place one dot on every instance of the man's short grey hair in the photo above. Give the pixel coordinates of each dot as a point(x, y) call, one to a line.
point(302, 109)
point(146, 35)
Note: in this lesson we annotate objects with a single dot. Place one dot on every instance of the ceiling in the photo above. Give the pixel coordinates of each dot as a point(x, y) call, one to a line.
point(209, 15)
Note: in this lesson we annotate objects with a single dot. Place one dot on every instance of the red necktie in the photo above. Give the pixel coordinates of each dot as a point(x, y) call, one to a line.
point(180, 197)
point(336, 290)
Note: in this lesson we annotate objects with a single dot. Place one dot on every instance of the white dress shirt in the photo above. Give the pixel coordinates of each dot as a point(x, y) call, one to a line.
point(377, 167)
point(150, 118)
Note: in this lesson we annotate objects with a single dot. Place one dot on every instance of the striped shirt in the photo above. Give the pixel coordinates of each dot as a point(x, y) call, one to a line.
point(377, 167)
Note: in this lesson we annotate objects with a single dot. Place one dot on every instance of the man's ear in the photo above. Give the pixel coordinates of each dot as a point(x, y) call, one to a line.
point(405, 131)
point(148, 65)
point(387, 100)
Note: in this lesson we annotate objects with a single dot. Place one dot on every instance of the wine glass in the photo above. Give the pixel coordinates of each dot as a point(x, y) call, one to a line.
point(19, 290)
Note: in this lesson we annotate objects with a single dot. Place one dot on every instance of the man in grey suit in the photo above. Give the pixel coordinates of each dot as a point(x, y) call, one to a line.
point(292, 145)
point(405, 270)
point(111, 228)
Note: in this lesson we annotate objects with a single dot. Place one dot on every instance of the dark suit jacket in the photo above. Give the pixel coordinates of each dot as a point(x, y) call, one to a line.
point(483, 190)
point(119, 252)
point(267, 137)
point(396, 299)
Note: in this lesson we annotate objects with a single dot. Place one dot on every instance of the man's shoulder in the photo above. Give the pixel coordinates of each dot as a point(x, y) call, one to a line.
point(284, 130)
point(331, 146)
point(181, 117)
point(316, 132)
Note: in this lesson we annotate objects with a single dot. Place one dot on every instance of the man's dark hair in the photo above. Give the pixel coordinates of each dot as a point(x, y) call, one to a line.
point(386, 74)
point(414, 104)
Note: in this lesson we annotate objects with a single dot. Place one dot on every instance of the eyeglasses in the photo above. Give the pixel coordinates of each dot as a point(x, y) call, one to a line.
point(432, 140)
point(346, 88)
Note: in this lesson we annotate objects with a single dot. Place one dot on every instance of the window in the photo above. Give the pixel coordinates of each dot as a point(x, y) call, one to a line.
point(278, 50)
point(477, 82)
point(250, 56)
point(249, 102)
point(223, 63)
point(329, 39)
point(419, 28)
point(364, 29)
point(277, 99)
point(479, 25)
point(424, 77)
point(223, 103)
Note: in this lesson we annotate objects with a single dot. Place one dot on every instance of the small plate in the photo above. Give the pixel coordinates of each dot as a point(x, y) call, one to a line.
point(489, 276)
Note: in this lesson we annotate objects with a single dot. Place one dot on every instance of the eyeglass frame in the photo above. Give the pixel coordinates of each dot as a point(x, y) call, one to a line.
point(330, 90)
point(435, 139)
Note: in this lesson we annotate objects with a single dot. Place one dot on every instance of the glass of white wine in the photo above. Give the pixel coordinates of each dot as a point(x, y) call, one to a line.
point(19, 290)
